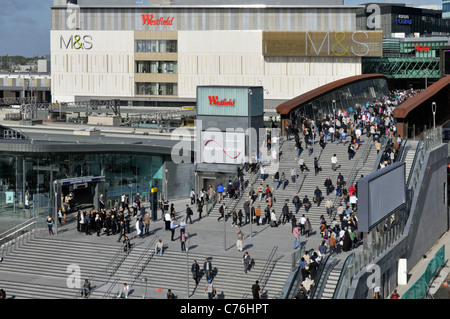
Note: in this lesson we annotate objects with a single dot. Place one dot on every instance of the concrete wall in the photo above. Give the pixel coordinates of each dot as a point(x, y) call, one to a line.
point(428, 221)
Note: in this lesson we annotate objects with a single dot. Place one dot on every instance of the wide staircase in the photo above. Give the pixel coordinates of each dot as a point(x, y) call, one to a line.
point(307, 181)
point(330, 281)
point(46, 268)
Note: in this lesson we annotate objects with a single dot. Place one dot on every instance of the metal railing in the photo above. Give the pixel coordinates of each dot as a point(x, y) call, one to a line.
point(19, 234)
point(110, 288)
point(115, 263)
point(267, 270)
point(344, 278)
point(322, 274)
point(142, 261)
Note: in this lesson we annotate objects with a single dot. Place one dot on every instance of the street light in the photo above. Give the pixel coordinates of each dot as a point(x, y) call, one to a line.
point(433, 109)
point(334, 119)
point(144, 292)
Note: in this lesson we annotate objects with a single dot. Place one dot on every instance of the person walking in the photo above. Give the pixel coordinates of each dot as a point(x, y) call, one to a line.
point(138, 228)
point(316, 166)
point(183, 241)
point(210, 290)
point(332, 243)
point(308, 227)
point(334, 162)
point(296, 233)
point(147, 224)
point(293, 174)
point(50, 222)
point(247, 261)
point(329, 206)
point(240, 240)
point(222, 213)
point(318, 196)
point(256, 290)
point(167, 220)
point(189, 213)
point(121, 231)
point(207, 269)
point(328, 185)
point(195, 271)
point(395, 295)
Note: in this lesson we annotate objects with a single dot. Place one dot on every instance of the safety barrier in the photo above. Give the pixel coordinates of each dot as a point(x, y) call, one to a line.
point(419, 289)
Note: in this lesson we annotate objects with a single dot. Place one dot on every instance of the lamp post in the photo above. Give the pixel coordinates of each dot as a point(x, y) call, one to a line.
point(334, 119)
point(433, 109)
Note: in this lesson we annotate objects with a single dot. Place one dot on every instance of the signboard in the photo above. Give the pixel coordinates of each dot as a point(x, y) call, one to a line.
point(222, 101)
point(404, 19)
point(82, 180)
point(418, 47)
point(222, 147)
point(9, 197)
point(323, 43)
point(75, 42)
point(149, 19)
point(380, 194)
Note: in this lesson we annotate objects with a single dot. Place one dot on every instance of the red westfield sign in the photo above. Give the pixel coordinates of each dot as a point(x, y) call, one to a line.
point(148, 19)
point(214, 100)
point(418, 47)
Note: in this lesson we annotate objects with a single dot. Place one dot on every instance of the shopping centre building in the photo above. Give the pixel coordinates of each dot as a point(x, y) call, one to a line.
point(412, 41)
point(158, 54)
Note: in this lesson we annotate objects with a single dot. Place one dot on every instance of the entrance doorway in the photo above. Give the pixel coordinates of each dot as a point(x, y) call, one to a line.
point(81, 193)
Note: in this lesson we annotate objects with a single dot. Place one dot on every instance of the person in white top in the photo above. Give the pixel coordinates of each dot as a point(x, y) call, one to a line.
point(124, 291)
point(334, 161)
point(353, 201)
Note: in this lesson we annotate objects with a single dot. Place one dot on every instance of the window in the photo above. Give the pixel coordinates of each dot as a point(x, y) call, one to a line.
point(156, 67)
point(147, 88)
point(155, 46)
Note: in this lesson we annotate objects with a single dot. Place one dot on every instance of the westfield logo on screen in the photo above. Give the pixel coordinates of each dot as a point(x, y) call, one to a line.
point(147, 19)
point(214, 100)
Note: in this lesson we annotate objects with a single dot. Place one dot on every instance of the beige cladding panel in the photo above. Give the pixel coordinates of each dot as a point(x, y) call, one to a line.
point(321, 43)
point(144, 56)
point(155, 35)
point(159, 78)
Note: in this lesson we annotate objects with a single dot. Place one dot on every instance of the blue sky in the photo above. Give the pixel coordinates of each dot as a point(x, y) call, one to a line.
point(25, 24)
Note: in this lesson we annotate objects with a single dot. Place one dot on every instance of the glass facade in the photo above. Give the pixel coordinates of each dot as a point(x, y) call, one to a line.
point(422, 49)
point(346, 98)
point(445, 9)
point(156, 67)
point(156, 46)
point(27, 181)
point(151, 88)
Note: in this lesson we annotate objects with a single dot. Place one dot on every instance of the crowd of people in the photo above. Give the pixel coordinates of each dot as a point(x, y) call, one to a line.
point(338, 225)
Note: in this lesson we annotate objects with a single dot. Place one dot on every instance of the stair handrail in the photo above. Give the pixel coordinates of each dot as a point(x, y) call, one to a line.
point(322, 273)
point(112, 285)
point(118, 257)
point(29, 224)
point(145, 253)
point(345, 267)
point(263, 277)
